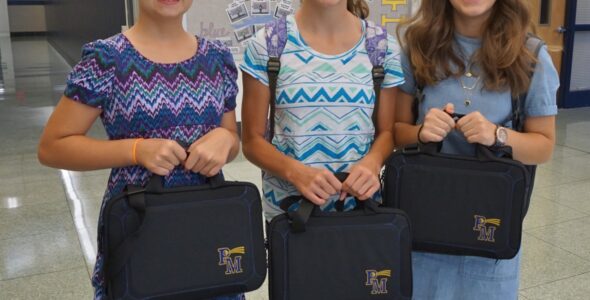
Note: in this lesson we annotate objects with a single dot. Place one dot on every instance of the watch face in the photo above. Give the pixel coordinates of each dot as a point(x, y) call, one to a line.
point(502, 135)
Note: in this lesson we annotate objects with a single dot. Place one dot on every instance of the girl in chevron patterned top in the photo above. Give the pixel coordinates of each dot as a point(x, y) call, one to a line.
point(157, 90)
point(324, 102)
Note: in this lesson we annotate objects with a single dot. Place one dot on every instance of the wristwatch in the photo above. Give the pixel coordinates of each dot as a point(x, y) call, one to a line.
point(501, 136)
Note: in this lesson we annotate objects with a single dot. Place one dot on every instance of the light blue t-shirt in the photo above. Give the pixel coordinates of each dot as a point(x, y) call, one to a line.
point(323, 108)
point(495, 106)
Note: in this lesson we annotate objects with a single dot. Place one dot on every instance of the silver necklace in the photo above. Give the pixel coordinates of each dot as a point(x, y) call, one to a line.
point(468, 90)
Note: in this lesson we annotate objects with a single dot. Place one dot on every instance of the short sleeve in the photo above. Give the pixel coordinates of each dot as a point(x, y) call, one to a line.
point(91, 80)
point(256, 58)
point(230, 80)
point(541, 98)
point(394, 75)
point(409, 85)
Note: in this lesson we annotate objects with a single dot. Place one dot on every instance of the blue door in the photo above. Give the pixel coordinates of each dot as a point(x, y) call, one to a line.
point(575, 76)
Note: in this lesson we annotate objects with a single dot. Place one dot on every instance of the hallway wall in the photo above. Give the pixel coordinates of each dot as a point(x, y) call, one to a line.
point(27, 18)
point(72, 23)
point(4, 25)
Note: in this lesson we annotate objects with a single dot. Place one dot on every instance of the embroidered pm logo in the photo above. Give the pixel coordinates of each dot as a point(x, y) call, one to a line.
point(486, 228)
point(377, 280)
point(233, 265)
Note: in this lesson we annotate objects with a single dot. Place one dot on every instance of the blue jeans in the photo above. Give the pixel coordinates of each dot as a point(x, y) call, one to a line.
point(442, 277)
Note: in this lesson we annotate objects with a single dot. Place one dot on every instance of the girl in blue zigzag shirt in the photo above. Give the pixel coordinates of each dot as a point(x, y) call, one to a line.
point(324, 103)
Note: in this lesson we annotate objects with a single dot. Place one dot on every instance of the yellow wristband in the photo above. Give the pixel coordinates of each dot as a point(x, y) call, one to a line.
point(134, 151)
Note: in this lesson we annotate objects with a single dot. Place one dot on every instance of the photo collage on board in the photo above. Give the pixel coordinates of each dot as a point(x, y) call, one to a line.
point(248, 17)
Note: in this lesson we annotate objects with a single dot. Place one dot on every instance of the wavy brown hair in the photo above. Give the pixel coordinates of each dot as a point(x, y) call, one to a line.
point(359, 8)
point(504, 59)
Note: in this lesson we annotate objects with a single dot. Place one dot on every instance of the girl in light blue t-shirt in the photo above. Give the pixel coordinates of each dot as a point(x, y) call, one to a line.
point(471, 58)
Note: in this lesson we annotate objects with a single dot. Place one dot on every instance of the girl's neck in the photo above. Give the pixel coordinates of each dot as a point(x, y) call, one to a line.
point(472, 27)
point(162, 30)
point(162, 40)
point(325, 21)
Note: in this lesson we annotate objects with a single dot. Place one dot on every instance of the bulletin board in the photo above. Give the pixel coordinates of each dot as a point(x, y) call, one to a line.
point(236, 21)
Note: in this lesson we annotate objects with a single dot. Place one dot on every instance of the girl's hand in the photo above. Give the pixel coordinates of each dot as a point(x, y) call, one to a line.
point(477, 129)
point(316, 185)
point(363, 180)
point(210, 153)
point(437, 124)
point(159, 156)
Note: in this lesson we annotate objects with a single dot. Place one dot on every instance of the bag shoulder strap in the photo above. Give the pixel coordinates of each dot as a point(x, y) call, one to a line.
point(276, 40)
point(376, 45)
point(534, 44)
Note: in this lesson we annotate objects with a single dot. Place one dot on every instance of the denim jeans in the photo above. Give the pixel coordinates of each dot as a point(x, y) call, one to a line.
point(449, 277)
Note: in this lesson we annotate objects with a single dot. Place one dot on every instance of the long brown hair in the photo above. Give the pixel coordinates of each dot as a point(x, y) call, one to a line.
point(505, 62)
point(358, 8)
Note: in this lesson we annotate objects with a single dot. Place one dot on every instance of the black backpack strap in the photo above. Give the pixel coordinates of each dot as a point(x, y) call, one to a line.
point(418, 98)
point(376, 45)
point(276, 40)
point(534, 44)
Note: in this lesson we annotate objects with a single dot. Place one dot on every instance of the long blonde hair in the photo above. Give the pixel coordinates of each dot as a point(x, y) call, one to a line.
point(506, 63)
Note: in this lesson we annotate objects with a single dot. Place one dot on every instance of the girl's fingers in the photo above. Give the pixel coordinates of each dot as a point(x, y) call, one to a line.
point(320, 192)
point(327, 187)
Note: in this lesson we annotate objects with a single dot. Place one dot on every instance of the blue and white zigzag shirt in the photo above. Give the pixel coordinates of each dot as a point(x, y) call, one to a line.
point(323, 108)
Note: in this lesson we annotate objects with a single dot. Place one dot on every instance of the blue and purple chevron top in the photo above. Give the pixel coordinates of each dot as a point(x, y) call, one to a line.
point(141, 98)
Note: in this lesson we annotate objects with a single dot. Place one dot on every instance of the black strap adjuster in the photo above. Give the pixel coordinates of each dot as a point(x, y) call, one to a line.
point(378, 73)
point(273, 65)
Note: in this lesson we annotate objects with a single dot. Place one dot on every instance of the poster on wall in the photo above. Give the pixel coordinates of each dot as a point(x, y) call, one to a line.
point(236, 21)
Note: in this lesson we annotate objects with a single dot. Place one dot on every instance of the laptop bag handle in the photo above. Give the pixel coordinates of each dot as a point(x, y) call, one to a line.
point(155, 183)
point(483, 153)
point(300, 216)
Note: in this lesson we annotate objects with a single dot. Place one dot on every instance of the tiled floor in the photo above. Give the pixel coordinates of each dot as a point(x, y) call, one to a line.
point(48, 217)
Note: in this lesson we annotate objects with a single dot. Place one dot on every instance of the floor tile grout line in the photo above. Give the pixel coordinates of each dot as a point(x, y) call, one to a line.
point(558, 223)
point(553, 281)
point(573, 148)
point(34, 235)
point(30, 205)
point(559, 161)
point(554, 224)
point(566, 250)
point(41, 274)
point(565, 204)
point(581, 150)
point(577, 180)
